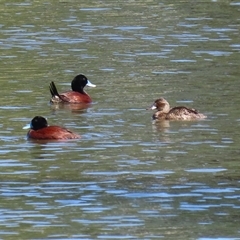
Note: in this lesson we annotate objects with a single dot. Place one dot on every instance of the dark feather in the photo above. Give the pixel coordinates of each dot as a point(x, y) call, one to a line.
point(53, 90)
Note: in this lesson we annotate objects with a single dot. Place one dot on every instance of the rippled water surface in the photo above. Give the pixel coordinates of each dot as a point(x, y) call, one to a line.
point(127, 177)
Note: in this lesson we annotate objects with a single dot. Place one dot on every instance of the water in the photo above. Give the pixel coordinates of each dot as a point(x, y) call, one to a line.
point(127, 177)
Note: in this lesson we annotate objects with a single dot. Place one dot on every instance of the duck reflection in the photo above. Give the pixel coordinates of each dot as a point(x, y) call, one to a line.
point(75, 107)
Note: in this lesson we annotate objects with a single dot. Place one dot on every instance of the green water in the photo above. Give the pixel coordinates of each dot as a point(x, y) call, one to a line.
point(126, 178)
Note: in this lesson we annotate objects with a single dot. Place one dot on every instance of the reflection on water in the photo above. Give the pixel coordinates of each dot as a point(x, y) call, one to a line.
point(74, 108)
point(127, 177)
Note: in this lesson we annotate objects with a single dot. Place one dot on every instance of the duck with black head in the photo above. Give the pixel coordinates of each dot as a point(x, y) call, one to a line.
point(77, 95)
point(164, 112)
point(40, 130)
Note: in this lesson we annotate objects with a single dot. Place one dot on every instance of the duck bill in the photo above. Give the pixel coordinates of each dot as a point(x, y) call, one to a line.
point(89, 84)
point(153, 107)
point(28, 126)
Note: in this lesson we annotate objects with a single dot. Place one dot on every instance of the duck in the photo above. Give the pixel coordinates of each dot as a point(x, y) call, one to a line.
point(77, 95)
point(40, 130)
point(176, 113)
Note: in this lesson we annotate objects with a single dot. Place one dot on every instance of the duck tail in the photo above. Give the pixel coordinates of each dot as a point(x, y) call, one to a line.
point(56, 98)
point(53, 90)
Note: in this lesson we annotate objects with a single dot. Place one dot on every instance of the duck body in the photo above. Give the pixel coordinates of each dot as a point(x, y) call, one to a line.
point(176, 113)
point(52, 133)
point(71, 97)
point(77, 95)
point(40, 130)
